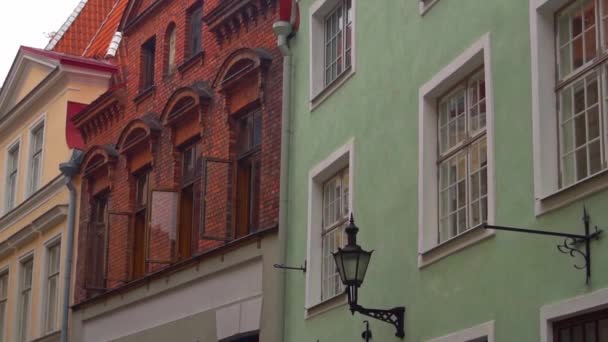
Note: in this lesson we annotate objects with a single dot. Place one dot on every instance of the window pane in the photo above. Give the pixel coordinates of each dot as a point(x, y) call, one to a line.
point(163, 226)
point(171, 53)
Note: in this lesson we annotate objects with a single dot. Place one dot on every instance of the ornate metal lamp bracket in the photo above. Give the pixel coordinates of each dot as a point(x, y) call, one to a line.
point(574, 244)
point(394, 316)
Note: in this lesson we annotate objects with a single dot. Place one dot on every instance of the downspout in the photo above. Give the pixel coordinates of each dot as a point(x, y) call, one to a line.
point(69, 170)
point(282, 30)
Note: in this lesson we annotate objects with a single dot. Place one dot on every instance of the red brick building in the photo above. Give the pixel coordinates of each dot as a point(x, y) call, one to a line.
point(180, 179)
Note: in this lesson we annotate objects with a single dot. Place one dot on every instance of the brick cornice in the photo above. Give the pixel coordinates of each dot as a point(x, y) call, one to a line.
point(231, 16)
point(101, 114)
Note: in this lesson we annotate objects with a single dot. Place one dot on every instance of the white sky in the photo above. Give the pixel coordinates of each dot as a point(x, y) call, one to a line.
point(25, 22)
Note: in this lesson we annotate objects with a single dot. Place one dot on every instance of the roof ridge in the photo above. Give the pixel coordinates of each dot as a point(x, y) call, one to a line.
point(105, 20)
point(66, 25)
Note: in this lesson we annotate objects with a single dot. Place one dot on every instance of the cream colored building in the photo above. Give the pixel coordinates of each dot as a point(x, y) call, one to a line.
point(41, 90)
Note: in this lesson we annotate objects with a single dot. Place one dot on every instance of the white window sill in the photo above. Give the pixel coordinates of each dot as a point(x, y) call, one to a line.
point(322, 95)
point(426, 7)
point(456, 244)
point(565, 196)
point(326, 305)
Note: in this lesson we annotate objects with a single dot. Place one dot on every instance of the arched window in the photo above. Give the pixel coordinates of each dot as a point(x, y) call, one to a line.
point(170, 39)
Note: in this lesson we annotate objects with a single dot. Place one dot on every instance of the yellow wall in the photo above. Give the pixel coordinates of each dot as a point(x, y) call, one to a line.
point(52, 106)
point(32, 76)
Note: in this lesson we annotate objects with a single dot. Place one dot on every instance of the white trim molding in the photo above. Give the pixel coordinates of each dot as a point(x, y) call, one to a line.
point(470, 335)
point(548, 195)
point(586, 303)
point(316, 38)
point(425, 6)
point(475, 56)
point(342, 157)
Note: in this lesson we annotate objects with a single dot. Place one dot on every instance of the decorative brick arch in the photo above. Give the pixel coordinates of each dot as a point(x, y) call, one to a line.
point(98, 166)
point(241, 63)
point(241, 79)
point(136, 141)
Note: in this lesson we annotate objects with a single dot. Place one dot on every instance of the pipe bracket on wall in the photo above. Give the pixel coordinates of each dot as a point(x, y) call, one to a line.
point(290, 268)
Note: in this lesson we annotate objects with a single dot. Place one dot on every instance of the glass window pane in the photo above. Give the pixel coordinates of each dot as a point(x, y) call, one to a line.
point(595, 157)
point(163, 226)
point(581, 163)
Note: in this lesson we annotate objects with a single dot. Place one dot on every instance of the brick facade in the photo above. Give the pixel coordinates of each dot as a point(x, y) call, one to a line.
point(125, 130)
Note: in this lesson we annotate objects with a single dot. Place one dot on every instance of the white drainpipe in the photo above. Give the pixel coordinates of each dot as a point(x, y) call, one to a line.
point(282, 30)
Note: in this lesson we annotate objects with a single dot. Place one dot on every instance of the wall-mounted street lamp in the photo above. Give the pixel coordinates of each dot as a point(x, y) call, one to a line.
point(352, 262)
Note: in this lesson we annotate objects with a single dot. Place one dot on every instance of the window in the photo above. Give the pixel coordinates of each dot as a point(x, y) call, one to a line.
point(462, 159)
point(148, 53)
point(3, 303)
point(195, 30)
point(96, 243)
point(248, 168)
point(139, 232)
point(189, 199)
point(570, 318)
point(585, 328)
point(53, 254)
point(480, 333)
point(332, 45)
point(580, 109)
point(330, 200)
point(568, 100)
point(35, 164)
point(338, 41)
point(455, 177)
point(12, 168)
point(335, 219)
point(25, 298)
point(170, 50)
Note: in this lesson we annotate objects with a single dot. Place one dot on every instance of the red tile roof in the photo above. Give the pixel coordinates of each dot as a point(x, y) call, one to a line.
point(98, 46)
point(91, 30)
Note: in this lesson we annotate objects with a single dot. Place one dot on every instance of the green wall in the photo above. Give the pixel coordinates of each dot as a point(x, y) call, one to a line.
point(506, 278)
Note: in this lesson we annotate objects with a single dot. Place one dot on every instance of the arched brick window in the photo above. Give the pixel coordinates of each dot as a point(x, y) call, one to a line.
point(169, 51)
point(136, 143)
point(97, 169)
point(241, 80)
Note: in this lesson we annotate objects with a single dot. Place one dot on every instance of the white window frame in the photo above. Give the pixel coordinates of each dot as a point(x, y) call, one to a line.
point(15, 144)
point(326, 169)
point(19, 307)
point(40, 123)
point(319, 92)
point(567, 308)
point(3, 327)
point(429, 250)
point(470, 334)
point(55, 241)
point(426, 6)
point(547, 193)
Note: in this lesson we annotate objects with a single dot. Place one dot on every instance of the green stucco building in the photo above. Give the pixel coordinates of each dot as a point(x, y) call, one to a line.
point(427, 119)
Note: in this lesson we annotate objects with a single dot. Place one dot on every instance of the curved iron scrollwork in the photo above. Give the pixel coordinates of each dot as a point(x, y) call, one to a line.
point(570, 246)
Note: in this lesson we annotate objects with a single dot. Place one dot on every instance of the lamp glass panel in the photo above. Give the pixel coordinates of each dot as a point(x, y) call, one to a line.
point(364, 258)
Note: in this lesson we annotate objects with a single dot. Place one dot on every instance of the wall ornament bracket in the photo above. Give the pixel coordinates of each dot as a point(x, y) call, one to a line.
point(573, 244)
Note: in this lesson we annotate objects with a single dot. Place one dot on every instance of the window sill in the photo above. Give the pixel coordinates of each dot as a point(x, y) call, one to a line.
point(426, 7)
point(565, 196)
point(322, 95)
point(144, 94)
point(190, 62)
point(326, 305)
point(455, 244)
